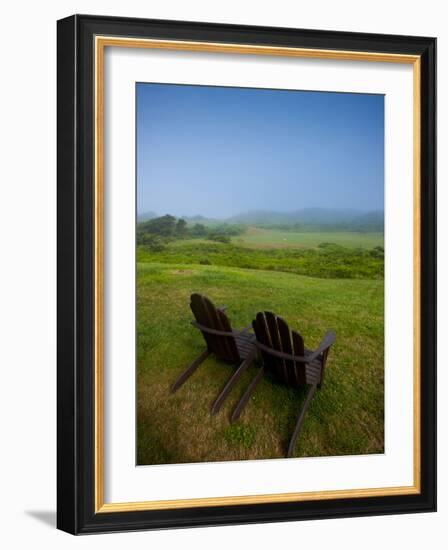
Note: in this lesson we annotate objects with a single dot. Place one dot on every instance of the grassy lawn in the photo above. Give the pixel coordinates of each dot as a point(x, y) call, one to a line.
point(256, 237)
point(346, 416)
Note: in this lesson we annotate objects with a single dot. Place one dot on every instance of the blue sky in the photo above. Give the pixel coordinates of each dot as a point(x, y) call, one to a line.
point(219, 151)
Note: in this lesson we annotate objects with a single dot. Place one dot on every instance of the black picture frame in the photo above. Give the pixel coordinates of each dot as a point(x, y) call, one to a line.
point(76, 270)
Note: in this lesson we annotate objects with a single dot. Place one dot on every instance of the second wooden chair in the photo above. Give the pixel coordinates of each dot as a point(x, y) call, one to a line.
point(286, 358)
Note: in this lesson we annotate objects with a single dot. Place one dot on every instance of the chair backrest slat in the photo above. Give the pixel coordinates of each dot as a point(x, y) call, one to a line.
point(271, 321)
point(214, 322)
point(208, 315)
point(285, 340)
point(299, 349)
point(262, 335)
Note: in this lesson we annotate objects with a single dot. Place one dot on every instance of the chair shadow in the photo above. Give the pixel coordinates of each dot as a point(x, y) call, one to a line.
point(47, 517)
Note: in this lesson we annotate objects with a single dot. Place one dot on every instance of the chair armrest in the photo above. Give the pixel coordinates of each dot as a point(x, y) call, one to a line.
point(281, 354)
point(326, 342)
point(211, 330)
point(245, 329)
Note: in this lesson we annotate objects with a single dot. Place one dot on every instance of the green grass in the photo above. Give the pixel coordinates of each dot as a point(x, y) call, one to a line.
point(329, 262)
point(346, 416)
point(256, 237)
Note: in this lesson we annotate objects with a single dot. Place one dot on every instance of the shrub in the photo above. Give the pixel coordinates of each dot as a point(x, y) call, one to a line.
point(219, 238)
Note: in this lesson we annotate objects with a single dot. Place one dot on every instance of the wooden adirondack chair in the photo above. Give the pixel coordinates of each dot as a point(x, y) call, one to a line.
point(233, 346)
point(285, 356)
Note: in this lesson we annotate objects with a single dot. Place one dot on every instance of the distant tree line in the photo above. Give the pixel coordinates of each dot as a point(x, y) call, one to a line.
point(157, 232)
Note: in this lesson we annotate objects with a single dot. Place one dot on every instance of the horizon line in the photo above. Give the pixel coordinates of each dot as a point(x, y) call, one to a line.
point(261, 210)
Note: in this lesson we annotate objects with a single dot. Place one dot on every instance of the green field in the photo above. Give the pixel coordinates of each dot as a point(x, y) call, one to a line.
point(257, 237)
point(326, 260)
point(346, 416)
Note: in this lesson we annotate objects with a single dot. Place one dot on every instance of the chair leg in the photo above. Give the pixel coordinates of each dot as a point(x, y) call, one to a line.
point(189, 371)
point(231, 382)
point(295, 435)
point(247, 394)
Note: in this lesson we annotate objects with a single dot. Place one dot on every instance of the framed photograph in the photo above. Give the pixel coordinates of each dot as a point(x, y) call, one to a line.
point(246, 274)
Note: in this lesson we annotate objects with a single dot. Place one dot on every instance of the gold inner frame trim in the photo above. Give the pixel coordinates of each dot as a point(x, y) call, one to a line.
point(101, 42)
